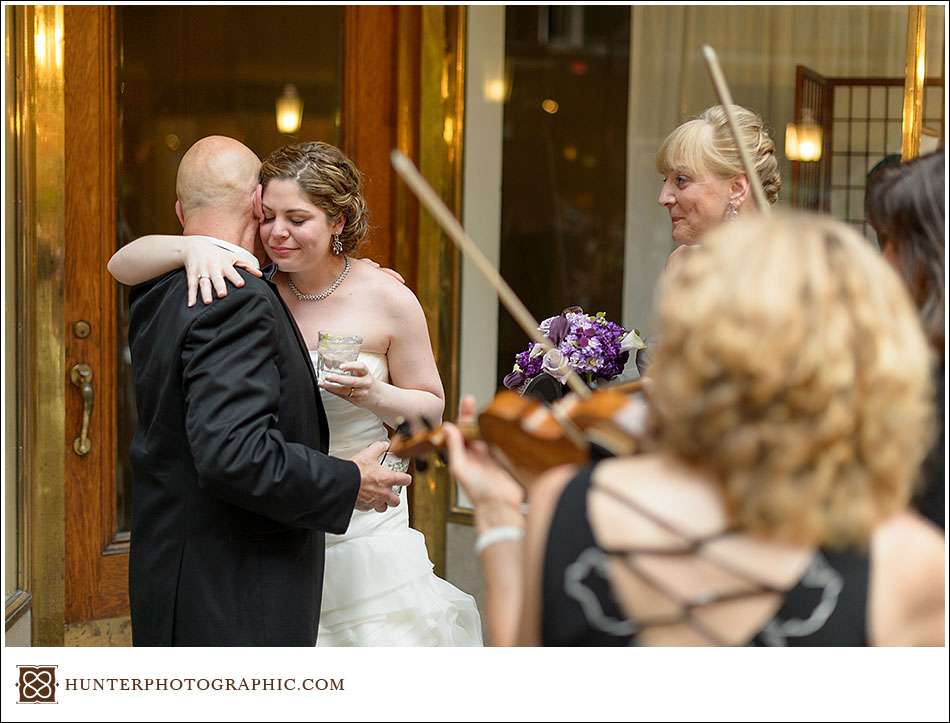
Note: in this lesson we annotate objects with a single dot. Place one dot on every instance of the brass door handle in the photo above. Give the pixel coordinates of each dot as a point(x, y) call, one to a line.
point(81, 376)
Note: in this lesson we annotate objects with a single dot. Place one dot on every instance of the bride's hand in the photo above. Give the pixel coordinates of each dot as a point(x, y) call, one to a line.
point(358, 386)
point(208, 265)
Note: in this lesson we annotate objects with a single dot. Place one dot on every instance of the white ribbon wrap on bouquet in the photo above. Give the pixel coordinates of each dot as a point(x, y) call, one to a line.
point(555, 364)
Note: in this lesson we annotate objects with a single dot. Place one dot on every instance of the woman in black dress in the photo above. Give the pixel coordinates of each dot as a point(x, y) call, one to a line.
point(792, 402)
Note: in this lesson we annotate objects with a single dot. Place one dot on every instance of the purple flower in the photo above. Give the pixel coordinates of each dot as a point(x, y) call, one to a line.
point(584, 336)
point(531, 366)
point(558, 329)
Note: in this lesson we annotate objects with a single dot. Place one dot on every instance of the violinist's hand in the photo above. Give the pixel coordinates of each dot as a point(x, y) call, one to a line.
point(487, 484)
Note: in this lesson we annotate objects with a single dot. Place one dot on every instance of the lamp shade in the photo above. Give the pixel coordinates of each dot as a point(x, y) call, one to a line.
point(803, 140)
point(289, 110)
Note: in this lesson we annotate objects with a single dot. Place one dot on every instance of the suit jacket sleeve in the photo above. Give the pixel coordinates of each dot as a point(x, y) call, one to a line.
point(232, 385)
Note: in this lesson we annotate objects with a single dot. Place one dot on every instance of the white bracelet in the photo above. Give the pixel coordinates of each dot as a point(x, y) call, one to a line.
point(497, 534)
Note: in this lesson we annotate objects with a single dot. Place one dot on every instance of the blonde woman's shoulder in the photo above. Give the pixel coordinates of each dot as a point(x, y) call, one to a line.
point(908, 558)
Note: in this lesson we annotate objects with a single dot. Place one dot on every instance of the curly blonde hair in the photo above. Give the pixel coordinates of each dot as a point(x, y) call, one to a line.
point(705, 145)
point(331, 181)
point(793, 368)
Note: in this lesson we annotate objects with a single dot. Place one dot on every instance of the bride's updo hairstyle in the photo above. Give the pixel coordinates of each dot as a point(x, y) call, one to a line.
point(330, 180)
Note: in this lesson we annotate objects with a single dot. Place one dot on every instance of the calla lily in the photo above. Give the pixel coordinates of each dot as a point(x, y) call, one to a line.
point(559, 329)
point(513, 379)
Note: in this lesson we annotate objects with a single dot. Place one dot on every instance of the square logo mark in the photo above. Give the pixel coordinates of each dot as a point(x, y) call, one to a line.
point(37, 683)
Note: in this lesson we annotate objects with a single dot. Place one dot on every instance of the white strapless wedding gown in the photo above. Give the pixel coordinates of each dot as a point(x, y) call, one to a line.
point(378, 584)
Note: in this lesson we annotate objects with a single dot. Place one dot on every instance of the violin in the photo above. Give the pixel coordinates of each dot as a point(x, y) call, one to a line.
point(532, 437)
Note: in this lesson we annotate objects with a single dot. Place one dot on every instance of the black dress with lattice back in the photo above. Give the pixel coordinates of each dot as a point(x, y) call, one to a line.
point(826, 607)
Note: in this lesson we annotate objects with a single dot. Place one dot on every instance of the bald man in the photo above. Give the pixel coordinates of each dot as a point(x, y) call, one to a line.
point(232, 488)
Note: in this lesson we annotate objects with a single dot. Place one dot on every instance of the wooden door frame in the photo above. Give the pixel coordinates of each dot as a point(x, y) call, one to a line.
point(96, 558)
point(413, 104)
point(368, 115)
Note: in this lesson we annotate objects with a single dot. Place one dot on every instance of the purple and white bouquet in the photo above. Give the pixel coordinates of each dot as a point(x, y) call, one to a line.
point(595, 348)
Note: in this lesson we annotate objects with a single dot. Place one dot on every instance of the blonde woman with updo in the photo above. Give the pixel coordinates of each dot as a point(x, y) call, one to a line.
point(791, 397)
point(704, 181)
point(379, 587)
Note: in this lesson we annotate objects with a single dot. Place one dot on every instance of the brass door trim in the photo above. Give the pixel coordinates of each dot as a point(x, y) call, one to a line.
point(438, 265)
point(453, 306)
point(408, 77)
point(40, 123)
point(914, 72)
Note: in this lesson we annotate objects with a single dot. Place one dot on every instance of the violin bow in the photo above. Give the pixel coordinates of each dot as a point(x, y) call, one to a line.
point(725, 99)
point(453, 229)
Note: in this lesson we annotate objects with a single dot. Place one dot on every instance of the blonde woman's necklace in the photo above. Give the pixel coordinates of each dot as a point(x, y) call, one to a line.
point(327, 291)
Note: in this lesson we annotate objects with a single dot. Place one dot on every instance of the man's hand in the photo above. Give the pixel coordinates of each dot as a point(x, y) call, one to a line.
point(377, 482)
point(395, 274)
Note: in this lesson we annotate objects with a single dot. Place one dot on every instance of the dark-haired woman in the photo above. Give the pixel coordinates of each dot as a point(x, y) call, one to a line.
point(905, 205)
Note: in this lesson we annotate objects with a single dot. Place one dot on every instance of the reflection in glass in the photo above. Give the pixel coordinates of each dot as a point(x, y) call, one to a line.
point(564, 163)
point(189, 72)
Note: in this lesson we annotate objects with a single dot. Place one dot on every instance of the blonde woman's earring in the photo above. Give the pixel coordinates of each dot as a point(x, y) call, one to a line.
point(731, 212)
point(336, 246)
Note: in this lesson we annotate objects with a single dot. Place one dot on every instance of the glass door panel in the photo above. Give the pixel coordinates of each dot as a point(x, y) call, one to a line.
point(188, 72)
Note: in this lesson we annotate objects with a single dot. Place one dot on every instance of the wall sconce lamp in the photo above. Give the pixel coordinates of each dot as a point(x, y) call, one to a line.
point(496, 85)
point(289, 110)
point(803, 140)
point(494, 90)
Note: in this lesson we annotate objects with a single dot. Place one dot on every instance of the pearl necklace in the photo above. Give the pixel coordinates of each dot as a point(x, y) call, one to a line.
point(326, 292)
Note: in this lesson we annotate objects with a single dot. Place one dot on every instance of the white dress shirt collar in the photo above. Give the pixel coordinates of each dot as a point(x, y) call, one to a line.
point(239, 250)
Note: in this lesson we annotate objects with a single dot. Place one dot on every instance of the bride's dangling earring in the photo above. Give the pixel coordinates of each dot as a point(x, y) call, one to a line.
point(336, 246)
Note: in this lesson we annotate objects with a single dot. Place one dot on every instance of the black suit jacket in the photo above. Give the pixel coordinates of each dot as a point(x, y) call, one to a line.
point(232, 488)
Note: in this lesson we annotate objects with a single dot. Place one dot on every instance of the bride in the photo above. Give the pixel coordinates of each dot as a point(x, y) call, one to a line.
point(379, 587)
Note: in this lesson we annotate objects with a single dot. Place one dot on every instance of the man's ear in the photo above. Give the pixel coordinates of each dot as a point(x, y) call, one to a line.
point(180, 212)
point(257, 203)
point(739, 190)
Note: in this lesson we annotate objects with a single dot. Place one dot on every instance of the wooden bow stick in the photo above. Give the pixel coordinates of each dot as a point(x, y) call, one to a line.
point(430, 199)
point(725, 99)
